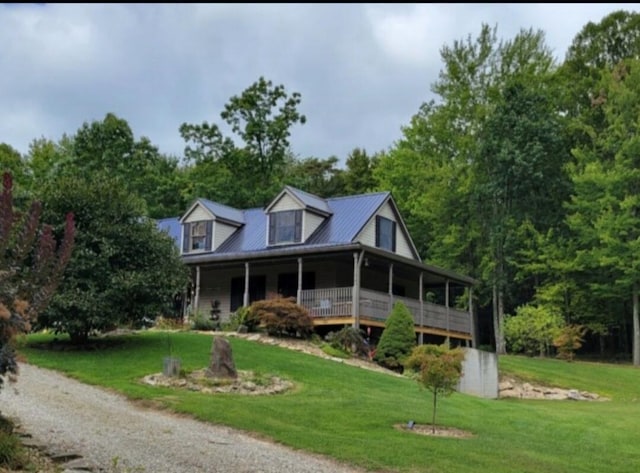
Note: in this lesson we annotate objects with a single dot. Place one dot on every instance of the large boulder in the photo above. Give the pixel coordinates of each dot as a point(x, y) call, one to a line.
point(222, 365)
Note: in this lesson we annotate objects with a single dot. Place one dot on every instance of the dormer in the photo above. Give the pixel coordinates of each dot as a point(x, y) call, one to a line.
point(293, 216)
point(207, 225)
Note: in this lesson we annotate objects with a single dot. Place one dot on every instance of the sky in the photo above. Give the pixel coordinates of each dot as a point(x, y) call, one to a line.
point(362, 70)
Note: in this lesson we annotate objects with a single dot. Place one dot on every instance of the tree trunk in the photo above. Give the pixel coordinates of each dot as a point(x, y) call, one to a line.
point(498, 319)
point(636, 327)
point(433, 417)
point(79, 338)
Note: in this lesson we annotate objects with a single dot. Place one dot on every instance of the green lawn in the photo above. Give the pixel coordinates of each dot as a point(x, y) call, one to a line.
point(348, 413)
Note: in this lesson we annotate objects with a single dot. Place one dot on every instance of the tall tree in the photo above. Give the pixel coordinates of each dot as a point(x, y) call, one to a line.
point(519, 176)
point(317, 176)
point(606, 205)
point(124, 270)
point(358, 175)
point(261, 117)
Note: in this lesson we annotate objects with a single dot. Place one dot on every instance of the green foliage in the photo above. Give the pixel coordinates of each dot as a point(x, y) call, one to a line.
point(397, 340)
point(30, 269)
point(202, 321)
point(438, 368)
point(251, 174)
point(348, 339)
point(569, 340)
point(532, 329)
point(241, 317)
point(124, 270)
point(281, 316)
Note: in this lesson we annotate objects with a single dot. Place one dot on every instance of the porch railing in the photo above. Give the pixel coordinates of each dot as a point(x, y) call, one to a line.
point(337, 302)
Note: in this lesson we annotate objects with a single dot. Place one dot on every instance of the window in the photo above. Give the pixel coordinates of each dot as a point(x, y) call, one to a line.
point(197, 236)
point(285, 227)
point(385, 233)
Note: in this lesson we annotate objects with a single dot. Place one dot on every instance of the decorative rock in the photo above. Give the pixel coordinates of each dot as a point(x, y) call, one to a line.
point(222, 365)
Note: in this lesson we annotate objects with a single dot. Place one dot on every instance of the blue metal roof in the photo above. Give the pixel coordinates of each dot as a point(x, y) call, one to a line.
point(172, 226)
point(223, 211)
point(348, 216)
point(309, 200)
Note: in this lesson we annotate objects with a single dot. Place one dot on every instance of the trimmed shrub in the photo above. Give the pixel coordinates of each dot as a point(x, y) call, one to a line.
point(349, 340)
point(281, 316)
point(397, 340)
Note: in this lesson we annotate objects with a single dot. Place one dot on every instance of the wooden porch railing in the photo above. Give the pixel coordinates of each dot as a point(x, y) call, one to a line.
point(337, 302)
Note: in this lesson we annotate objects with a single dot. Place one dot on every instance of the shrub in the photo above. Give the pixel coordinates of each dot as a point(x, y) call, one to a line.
point(349, 340)
point(281, 316)
point(397, 340)
point(239, 318)
point(533, 329)
point(202, 321)
point(569, 340)
point(12, 454)
point(438, 369)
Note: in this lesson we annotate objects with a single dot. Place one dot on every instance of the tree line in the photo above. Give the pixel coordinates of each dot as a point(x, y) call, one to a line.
point(522, 173)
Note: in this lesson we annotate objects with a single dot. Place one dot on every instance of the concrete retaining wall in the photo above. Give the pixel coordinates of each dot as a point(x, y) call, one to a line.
point(479, 374)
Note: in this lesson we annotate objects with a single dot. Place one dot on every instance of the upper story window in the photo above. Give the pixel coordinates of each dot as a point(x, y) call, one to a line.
point(285, 227)
point(197, 236)
point(385, 233)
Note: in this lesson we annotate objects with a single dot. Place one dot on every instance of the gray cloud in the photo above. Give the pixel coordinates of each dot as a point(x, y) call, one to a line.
point(362, 69)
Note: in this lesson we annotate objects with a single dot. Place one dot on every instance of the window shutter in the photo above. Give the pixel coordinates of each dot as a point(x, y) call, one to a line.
point(377, 231)
point(393, 236)
point(272, 229)
point(186, 234)
point(209, 235)
point(297, 235)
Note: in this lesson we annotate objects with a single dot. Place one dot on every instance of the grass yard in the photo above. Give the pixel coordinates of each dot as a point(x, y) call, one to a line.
point(348, 413)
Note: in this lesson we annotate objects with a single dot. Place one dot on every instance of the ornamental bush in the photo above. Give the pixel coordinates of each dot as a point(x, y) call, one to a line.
point(282, 316)
point(397, 340)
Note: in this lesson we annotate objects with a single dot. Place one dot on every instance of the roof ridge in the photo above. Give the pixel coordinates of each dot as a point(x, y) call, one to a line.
point(366, 194)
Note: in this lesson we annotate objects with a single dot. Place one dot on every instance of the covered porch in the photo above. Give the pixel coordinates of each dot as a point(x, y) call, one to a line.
point(355, 286)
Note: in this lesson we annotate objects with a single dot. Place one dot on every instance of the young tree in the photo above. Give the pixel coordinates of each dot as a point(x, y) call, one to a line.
point(438, 368)
point(30, 269)
point(262, 117)
point(124, 270)
point(398, 338)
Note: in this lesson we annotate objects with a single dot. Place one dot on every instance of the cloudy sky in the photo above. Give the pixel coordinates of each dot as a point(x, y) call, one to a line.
point(362, 69)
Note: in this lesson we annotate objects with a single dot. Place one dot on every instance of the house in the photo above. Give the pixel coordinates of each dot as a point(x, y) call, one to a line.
point(346, 259)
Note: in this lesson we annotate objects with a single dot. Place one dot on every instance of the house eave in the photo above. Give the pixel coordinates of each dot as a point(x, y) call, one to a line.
point(301, 250)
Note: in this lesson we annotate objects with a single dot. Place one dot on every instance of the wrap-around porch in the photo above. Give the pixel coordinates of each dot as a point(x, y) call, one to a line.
point(357, 288)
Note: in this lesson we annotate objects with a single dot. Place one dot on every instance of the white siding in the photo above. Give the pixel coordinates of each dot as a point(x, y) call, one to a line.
point(197, 214)
point(310, 223)
point(221, 231)
point(286, 202)
point(368, 234)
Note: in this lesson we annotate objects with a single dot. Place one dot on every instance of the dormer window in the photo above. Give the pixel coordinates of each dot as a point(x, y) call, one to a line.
point(197, 236)
point(285, 227)
point(385, 233)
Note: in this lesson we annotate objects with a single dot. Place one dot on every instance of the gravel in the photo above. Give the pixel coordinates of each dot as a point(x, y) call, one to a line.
point(110, 433)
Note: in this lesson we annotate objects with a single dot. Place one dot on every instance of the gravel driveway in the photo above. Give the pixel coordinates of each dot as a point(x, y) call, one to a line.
point(101, 427)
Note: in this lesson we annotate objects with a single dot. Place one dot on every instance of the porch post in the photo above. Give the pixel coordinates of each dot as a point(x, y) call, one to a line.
point(446, 303)
point(357, 262)
point(390, 287)
point(420, 291)
point(472, 318)
point(299, 293)
point(196, 300)
point(245, 297)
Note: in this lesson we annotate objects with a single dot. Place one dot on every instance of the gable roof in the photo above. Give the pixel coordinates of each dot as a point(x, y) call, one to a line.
point(304, 199)
point(219, 211)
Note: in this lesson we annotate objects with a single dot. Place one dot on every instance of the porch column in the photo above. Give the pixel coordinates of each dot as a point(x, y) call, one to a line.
point(245, 297)
point(472, 318)
point(299, 293)
point(446, 303)
point(357, 263)
point(390, 287)
point(196, 299)
point(420, 291)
